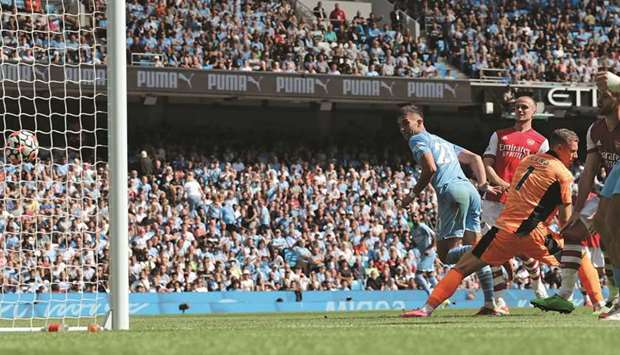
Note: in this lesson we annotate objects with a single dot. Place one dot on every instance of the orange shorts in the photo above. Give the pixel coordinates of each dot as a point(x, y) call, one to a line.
point(498, 246)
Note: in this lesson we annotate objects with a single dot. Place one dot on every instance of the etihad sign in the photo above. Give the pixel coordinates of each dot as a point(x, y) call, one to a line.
point(571, 96)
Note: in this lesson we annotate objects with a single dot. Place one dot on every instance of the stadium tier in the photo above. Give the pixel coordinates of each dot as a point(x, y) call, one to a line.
point(555, 41)
point(512, 41)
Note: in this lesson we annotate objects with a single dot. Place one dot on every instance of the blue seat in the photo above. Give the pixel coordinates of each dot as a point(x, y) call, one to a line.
point(357, 285)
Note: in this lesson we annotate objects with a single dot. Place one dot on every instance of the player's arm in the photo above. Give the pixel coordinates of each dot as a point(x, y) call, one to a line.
point(429, 168)
point(564, 213)
point(566, 197)
point(592, 166)
point(586, 181)
point(493, 178)
point(475, 164)
point(489, 164)
point(420, 147)
point(433, 244)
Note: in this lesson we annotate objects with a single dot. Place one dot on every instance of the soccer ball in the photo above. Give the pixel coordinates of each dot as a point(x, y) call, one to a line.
point(22, 146)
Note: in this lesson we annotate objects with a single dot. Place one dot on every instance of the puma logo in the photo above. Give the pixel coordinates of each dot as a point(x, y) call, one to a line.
point(451, 89)
point(388, 87)
point(322, 84)
point(255, 82)
point(188, 80)
point(40, 74)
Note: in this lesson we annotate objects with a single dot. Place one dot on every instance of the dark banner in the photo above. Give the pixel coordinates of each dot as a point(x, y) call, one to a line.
point(181, 82)
point(554, 96)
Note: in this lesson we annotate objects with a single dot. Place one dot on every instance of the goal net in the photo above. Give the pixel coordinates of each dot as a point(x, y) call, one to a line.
point(54, 211)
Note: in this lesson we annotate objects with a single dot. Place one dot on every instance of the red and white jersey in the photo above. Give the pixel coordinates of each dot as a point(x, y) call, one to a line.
point(592, 241)
point(607, 144)
point(509, 146)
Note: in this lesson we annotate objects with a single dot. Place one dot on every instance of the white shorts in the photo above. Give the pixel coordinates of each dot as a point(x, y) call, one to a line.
point(586, 215)
point(596, 255)
point(490, 212)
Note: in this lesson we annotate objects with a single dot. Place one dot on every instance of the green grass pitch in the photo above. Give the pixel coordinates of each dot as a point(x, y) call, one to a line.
point(453, 332)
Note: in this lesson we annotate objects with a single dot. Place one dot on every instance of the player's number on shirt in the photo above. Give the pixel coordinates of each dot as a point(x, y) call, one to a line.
point(528, 172)
point(444, 154)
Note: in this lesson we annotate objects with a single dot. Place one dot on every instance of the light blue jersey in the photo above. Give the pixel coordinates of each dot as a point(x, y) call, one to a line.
point(422, 236)
point(445, 155)
point(458, 200)
point(612, 182)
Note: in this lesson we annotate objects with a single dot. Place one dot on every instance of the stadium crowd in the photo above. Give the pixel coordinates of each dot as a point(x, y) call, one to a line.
point(254, 36)
point(270, 36)
point(233, 220)
point(526, 40)
point(253, 219)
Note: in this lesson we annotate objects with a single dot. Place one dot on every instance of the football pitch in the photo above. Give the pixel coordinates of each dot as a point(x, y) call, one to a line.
point(526, 331)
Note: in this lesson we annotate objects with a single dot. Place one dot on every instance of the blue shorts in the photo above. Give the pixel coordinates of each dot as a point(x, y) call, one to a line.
point(459, 210)
point(612, 183)
point(426, 263)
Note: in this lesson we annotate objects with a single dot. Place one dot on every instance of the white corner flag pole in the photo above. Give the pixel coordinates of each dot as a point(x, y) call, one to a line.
point(117, 143)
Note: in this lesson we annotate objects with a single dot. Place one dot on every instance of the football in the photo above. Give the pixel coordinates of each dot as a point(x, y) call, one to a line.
point(22, 147)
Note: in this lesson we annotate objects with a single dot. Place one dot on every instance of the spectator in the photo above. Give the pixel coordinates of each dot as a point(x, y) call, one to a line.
point(146, 164)
point(333, 69)
point(373, 283)
point(319, 12)
point(553, 278)
point(193, 191)
point(337, 17)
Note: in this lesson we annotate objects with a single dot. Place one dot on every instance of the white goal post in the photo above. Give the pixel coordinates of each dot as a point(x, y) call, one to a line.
point(117, 102)
point(63, 213)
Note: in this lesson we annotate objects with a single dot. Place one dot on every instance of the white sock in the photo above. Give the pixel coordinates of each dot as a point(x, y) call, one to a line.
point(500, 302)
point(570, 261)
point(539, 288)
point(499, 297)
point(569, 278)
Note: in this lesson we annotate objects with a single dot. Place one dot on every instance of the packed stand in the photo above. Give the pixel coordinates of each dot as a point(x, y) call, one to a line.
point(226, 221)
point(270, 36)
point(32, 34)
point(53, 228)
point(246, 220)
point(255, 219)
point(258, 35)
point(558, 41)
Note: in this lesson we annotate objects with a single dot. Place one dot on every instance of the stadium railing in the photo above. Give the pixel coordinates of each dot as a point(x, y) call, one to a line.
point(146, 59)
